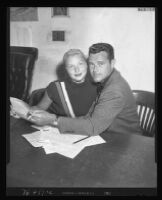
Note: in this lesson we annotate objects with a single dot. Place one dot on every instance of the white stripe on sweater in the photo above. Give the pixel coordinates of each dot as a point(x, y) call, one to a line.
point(67, 99)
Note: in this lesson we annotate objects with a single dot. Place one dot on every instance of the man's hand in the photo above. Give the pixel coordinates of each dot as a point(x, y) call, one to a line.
point(41, 117)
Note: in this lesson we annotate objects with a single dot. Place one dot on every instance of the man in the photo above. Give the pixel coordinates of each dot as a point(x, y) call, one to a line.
point(115, 107)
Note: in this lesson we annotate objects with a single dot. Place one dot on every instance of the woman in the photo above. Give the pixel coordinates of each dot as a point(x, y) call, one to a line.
point(73, 96)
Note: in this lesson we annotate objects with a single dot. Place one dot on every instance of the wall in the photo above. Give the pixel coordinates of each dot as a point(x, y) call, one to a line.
point(131, 32)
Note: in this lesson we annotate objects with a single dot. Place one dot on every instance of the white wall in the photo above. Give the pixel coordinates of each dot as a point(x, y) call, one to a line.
point(131, 32)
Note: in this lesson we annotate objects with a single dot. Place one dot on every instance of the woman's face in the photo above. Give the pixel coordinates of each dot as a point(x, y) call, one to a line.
point(76, 67)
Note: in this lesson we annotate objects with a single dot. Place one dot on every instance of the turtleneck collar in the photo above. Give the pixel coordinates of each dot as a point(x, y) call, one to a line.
point(74, 84)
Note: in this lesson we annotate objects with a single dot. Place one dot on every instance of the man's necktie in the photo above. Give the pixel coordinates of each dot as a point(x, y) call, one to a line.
point(99, 89)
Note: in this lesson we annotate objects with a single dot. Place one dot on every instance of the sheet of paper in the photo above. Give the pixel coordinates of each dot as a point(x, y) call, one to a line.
point(51, 135)
point(20, 107)
point(60, 138)
point(70, 151)
point(35, 139)
point(54, 142)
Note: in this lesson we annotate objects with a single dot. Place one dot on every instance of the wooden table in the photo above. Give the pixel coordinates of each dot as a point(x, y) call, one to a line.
point(125, 160)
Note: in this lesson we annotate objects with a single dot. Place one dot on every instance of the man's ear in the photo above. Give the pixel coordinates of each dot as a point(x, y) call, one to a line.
point(113, 61)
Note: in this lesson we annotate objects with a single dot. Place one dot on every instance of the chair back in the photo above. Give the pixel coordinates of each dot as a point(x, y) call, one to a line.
point(22, 61)
point(146, 110)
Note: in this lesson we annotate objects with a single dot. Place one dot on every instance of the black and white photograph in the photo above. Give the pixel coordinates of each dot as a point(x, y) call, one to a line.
point(81, 101)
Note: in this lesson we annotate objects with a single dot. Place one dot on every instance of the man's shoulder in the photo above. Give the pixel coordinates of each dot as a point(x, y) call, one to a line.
point(112, 92)
point(117, 87)
point(117, 82)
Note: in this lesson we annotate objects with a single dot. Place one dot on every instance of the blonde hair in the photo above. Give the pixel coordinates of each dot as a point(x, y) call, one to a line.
point(73, 52)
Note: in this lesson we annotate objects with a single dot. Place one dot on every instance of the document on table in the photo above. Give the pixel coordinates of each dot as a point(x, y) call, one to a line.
point(66, 150)
point(53, 142)
point(53, 134)
point(72, 150)
point(20, 107)
point(35, 139)
point(38, 138)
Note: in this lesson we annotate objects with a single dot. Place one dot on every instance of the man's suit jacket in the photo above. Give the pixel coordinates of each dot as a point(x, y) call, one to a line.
point(115, 111)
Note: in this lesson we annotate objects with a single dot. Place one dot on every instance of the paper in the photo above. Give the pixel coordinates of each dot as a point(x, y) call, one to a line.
point(35, 139)
point(74, 149)
point(44, 136)
point(60, 138)
point(52, 141)
point(20, 107)
point(53, 134)
point(66, 150)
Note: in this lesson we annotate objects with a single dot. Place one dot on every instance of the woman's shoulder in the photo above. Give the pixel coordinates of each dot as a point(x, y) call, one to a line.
point(54, 82)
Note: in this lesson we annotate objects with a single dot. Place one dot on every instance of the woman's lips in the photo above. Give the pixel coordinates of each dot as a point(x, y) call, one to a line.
point(78, 74)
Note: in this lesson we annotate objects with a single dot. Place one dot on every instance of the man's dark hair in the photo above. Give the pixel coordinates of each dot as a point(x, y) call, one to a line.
point(98, 47)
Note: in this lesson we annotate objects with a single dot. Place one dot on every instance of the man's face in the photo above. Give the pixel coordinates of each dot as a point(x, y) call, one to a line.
point(100, 66)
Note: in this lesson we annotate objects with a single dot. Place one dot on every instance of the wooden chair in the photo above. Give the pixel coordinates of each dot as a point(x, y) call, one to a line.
point(146, 110)
point(22, 62)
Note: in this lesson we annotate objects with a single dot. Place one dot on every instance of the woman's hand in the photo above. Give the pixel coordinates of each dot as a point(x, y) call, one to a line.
point(41, 117)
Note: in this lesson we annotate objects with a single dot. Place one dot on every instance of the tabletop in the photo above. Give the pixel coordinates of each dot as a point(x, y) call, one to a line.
point(125, 160)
